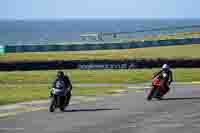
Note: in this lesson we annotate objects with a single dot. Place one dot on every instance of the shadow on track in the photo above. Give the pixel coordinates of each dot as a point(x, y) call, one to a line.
point(91, 110)
point(183, 98)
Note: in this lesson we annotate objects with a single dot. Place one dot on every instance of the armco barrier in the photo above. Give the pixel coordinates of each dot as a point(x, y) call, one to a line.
point(100, 64)
point(101, 46)
point(38, 65)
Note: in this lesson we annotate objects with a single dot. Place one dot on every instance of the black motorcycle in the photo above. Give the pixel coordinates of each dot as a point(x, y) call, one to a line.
point(58, 99)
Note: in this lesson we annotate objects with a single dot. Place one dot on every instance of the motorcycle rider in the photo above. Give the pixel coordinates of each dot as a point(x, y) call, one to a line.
point(62, 82)
point(166, 75)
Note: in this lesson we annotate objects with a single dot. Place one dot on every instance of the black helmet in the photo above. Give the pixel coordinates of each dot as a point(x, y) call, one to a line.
point(60, 74)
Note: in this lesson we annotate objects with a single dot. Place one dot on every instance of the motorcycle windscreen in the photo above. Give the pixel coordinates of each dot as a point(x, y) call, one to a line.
point(59, 92)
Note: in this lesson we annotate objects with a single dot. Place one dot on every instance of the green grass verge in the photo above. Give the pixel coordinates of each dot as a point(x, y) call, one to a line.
point(169, 52)
point(94, 76)
point(31, 85)
point(13, 93)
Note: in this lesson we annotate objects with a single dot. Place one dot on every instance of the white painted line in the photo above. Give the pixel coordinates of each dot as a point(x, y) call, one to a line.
point(26, 106)
point(173, 125)
point(8, 114)
point(8, 107)
point(139, 113)
point(71, 103)
point(132, 126)
point(187, 83)
point(79, 97)
point(191, 115)
point(32, 109)
point(196, 82)
point(34, 102)
point(119, 91)
point(139, 87)
point(117, 94)
point(27, 109)
point(89, 99)
point(11, 129)
point(139, 91)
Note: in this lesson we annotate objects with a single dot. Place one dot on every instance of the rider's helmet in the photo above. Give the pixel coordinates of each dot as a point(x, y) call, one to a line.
point(60, 74)
point(165, 67)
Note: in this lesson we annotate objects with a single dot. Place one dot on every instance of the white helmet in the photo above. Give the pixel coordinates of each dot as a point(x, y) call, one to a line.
point(165, 66)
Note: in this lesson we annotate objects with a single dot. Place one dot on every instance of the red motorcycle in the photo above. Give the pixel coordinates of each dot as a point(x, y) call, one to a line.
point(158, 90)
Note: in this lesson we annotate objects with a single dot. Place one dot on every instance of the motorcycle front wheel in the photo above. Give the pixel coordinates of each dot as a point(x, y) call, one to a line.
point(150, 95)
point(153, 94)
point(62, 103)
point(52, 106)
point(62, 109)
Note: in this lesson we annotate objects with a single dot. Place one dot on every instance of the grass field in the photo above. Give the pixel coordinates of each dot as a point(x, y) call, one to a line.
point(21, 86)
point(170, 52)
point(178, 35)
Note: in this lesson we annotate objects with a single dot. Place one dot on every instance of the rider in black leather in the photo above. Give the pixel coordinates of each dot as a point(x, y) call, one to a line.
point(62, 82)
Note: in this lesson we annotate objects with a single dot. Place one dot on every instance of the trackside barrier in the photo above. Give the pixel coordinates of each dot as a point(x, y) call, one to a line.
point(99, 64)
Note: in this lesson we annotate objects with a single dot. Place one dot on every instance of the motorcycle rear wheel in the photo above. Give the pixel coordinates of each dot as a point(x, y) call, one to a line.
point(154, 94)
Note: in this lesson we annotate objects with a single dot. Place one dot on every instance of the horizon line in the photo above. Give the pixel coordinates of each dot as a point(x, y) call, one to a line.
point(93, 18)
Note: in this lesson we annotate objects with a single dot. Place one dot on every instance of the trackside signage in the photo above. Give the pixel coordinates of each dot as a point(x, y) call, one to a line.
point(107, 66)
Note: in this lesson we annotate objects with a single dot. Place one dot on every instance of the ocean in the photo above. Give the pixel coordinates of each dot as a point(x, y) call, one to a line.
point(57, 31)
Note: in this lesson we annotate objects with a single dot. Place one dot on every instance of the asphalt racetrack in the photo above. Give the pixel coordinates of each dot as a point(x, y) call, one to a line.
point(129, 112)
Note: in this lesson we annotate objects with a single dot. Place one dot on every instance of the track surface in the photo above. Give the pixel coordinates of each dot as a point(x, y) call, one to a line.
point(128, 113)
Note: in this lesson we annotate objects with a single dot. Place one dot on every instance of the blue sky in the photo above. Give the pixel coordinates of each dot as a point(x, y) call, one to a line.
point(60, 9)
